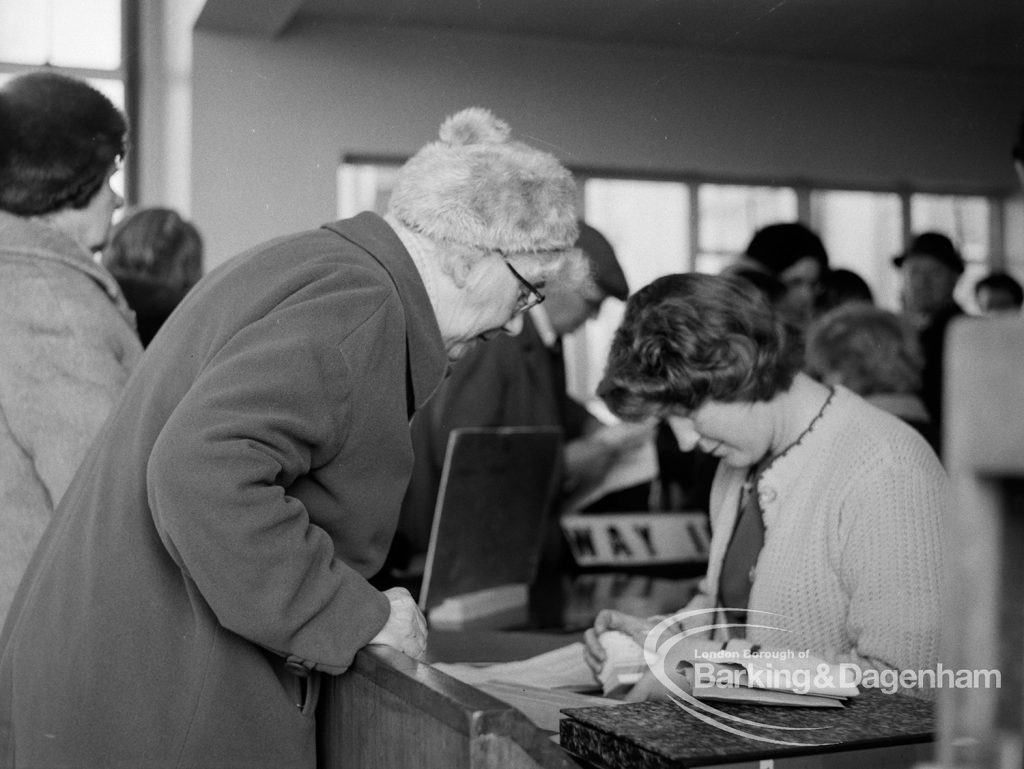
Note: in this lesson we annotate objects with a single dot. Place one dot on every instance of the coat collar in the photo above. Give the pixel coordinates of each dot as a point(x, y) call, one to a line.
point(35, 238)
point(425, 353)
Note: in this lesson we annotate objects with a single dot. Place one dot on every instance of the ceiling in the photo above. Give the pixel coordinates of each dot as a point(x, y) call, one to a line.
point(975, 36)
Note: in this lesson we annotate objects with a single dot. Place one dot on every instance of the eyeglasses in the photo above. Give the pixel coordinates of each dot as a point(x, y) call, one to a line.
point(531, 297)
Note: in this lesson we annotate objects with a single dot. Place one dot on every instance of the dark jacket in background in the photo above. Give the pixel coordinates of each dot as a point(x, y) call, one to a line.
point(151, 301)
point(933, 346)
point(510, 381)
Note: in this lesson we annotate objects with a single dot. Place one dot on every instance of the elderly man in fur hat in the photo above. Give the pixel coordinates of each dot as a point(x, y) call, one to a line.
point(209, 563)
point(67, 336)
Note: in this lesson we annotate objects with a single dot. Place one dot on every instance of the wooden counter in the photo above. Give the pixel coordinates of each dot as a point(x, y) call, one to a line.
point(390, 712)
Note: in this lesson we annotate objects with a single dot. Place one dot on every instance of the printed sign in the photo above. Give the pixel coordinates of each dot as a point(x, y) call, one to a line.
point(637, 539)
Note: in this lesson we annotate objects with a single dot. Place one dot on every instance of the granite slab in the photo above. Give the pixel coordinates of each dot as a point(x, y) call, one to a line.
point(657, 735)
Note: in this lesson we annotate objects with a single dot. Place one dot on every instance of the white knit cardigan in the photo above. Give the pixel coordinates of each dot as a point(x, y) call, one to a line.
point(853, 559)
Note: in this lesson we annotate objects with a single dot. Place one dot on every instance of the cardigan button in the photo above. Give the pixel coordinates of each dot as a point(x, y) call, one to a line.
point(768, 495)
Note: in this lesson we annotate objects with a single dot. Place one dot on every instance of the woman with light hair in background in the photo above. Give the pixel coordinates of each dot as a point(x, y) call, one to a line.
point(156, 256)
point(876, 354)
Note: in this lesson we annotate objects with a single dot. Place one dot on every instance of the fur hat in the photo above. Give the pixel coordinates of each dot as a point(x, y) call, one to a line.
point(59, 137)
point(477, 187)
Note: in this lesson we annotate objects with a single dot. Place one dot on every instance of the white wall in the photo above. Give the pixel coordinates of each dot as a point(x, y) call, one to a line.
point(272, 118)
point(164, 126)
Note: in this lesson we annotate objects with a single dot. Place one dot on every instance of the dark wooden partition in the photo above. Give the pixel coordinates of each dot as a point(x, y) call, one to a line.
point(390, 712)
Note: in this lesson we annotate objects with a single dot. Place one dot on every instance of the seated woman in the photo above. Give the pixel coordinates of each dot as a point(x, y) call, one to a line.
point(848, 500)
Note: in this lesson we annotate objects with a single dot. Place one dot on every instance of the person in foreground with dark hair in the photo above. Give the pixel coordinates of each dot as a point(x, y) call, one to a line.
point(826, 512)
point(209, 563)
point(67, 338)
point(156, 257)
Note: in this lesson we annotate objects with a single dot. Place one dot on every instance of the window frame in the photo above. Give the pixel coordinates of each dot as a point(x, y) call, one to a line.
point(580, 366)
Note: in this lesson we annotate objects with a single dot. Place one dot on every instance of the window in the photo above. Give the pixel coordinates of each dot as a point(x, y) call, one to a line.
point(648, 224)
point(862, 231)
point(730, 213)
point(365, 186)
point(663, 226)
point(83, 39)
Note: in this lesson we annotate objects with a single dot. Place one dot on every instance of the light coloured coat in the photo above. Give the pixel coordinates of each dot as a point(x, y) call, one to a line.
point(67, 346)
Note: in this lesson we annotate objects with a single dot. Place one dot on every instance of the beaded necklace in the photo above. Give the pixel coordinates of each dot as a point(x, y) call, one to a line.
point(757, 470)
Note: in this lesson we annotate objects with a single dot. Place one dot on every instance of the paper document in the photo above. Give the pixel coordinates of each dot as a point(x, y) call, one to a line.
point(560, 668)
point(635, 464)
point(539, 687)
point(738, 671)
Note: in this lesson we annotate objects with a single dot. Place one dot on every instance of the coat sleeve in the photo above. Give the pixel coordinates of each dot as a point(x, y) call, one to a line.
point(64, 370)
point(271, 406)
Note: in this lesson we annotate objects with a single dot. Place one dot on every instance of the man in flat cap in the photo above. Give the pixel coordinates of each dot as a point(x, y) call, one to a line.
point(930, 269)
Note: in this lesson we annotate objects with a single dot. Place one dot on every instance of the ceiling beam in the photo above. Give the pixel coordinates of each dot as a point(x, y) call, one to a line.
point(255, 17)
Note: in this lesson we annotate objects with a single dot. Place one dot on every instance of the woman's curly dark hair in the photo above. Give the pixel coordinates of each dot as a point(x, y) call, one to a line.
point(689, 338)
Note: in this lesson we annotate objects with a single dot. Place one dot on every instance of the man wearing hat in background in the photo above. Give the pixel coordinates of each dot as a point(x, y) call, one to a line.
point(511, 382)
point(209, 562)
point(930, 269)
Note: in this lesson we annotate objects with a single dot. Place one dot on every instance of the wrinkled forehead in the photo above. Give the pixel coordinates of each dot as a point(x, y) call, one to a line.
point(566, 269)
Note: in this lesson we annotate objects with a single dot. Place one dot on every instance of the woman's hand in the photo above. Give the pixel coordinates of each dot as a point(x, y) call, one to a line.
point(635, 627)
point(650, 689)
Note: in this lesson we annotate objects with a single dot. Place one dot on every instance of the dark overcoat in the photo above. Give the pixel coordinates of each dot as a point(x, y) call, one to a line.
point(512, 381)
point(214, 547)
